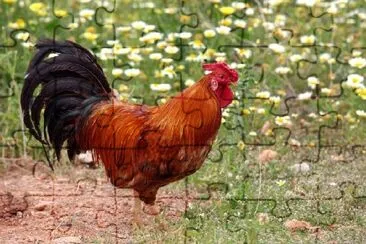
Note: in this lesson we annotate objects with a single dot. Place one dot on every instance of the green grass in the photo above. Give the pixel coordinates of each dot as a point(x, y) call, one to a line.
point(242, 214)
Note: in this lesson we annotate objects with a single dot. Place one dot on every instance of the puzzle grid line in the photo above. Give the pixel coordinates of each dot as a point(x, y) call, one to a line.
point(352, 150)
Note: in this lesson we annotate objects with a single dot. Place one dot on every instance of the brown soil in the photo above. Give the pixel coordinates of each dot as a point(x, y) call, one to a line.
point(76, 206)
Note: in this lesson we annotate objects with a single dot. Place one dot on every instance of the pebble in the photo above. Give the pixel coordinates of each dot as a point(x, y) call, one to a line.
point(301, 168)
point(41, 206)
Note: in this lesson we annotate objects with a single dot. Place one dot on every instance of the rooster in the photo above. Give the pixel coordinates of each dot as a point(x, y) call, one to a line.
point(142, 147)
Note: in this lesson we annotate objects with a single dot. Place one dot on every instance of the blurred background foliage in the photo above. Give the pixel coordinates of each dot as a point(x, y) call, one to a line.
point(301, 92)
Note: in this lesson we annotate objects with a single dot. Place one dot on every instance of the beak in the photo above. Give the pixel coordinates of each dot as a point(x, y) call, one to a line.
point(235, 77)
point(234, 82)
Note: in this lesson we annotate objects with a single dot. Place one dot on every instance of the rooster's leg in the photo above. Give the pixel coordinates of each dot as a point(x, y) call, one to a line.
point(137, 210)
point(149, 197)
point(151, 209)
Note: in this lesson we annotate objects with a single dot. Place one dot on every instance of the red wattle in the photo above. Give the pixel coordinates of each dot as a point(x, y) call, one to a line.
point(225, 96)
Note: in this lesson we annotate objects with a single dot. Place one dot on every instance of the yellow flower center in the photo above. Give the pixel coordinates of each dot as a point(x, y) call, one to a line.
point(227, 10)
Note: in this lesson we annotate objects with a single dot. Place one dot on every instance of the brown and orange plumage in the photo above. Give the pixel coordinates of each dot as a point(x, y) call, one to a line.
point(142, 147)
point(153, 146)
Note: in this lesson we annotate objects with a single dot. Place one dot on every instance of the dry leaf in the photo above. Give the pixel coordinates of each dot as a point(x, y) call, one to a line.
point(267, 155)
point(295, 225)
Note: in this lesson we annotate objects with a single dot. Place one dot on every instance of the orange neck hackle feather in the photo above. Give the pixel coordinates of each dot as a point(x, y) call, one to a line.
point(194, 113)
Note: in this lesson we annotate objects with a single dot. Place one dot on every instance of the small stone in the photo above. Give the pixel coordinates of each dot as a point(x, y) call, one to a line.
point(301, 168)
point(41, 206)
point(304, 167)
point(86, 157)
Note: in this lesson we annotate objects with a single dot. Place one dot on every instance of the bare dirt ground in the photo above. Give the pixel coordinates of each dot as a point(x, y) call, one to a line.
point(78, 205)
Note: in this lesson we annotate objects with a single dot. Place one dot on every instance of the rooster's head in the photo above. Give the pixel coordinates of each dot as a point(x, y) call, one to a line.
point(221, 76)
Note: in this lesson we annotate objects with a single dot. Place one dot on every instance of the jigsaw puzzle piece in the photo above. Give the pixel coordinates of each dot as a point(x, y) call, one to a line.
point(232, 216)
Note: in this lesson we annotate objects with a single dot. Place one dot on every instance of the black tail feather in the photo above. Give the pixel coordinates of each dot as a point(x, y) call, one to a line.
point(71, 84)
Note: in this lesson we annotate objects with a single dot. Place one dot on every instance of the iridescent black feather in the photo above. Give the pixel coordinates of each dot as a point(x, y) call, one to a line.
point(71, 83)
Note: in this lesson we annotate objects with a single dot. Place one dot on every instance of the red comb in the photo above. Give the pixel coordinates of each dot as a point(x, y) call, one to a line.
point(221, 65)
point(213, 66)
